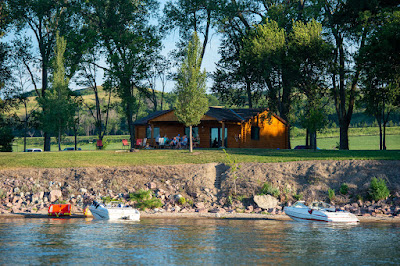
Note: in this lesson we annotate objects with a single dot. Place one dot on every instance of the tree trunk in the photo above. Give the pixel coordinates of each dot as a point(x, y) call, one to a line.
point(344, 136)
point(129, 114)
point(25, 125)
point(248, 88)
point(44, 89)
point(190, 139)
point(59, 139)
point(76, 137)
point(313, 140)
point(25, 130)
point(307, 138)
point(384, 136)
point(380, 135)
point(46, 137)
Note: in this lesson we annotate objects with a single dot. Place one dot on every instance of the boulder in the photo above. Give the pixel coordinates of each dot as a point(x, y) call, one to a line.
point(201, 210)
point(199, 205)
point(218, 210)
point(55, 195)
point(265, 201)
point(152, 185)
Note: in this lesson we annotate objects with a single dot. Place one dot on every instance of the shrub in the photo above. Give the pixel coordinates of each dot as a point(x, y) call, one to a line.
point(6, 136)
point(240, 198)
point(378, 189)
point(149, 204)
point(298, 196)
point(344, 189)
point(141, 195)
point(182, 200)
point(106, 199)
point(144, 199)
point(268, 189)
point(331, 194)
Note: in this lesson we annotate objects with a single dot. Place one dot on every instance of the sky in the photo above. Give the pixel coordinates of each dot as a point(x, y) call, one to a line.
point(211, 56)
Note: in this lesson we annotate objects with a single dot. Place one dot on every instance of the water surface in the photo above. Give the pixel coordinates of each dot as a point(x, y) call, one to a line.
point(195, 241)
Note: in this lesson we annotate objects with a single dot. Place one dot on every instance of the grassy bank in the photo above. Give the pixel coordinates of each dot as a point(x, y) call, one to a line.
point(359, 139)
point(355, 142)
point(171, 157)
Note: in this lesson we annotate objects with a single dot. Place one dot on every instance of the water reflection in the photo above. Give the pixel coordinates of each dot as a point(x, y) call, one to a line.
point(202, 241)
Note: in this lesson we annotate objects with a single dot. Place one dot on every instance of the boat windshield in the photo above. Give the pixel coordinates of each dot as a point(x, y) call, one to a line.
point(320, 205)
point(299, 204)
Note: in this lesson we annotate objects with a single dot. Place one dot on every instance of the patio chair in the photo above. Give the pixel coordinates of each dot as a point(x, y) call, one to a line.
point(99, 144)
point(138, 143)
point(144, 143)
point(161, 143)
point(125, 143)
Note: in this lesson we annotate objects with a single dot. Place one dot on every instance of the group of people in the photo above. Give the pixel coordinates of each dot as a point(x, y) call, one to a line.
point(177, 142)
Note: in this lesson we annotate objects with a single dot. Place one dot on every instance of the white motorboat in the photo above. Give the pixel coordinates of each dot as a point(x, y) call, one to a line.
point(114, 211)
point(320, 212)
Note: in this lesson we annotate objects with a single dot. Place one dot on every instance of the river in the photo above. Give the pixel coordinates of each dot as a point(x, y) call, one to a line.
point(195, 241)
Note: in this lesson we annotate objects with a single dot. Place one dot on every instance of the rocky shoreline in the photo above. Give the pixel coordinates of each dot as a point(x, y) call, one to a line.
point(209, 190)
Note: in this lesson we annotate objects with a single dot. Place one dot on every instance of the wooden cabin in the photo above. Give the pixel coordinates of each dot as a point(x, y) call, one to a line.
point(239, 128)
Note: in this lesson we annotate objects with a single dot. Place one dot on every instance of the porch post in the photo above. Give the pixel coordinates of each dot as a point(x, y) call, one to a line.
point(152, 136)
point(223, 135)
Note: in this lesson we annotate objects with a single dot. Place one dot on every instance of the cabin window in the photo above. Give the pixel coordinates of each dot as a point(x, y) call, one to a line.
point(156, 132)
point(255, 133)
point(195, 132)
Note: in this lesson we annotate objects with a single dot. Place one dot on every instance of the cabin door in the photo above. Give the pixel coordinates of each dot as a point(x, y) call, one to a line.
point(216, 137)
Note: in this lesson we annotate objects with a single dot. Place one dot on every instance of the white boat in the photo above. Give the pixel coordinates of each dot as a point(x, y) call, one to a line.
point(320, 212)
point(113, 211)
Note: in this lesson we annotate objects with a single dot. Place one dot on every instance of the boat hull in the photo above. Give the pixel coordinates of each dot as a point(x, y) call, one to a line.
point(114, 213)
point(310, 215)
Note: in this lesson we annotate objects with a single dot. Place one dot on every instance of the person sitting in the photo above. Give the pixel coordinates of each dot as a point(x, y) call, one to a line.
point(215, 143)
point(173, 142)
point(184, 142)
point(178, 143)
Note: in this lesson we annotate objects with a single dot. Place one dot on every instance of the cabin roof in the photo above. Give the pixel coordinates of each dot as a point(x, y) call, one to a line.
point(221, 114)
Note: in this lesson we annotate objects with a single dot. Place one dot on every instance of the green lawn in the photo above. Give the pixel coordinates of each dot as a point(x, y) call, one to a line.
point(355, 142)
point(361, 142)
point(170, 157)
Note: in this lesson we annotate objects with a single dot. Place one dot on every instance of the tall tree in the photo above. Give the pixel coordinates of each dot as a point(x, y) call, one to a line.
point(311, 55)
point(58, 103)
point(379, 60)
point(43, 19)
point(130, 42)
point(192, 102)
point(87, 76)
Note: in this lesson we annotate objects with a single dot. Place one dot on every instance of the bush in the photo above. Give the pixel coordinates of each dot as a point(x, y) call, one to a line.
point(106, 199)
point(182, 200)
point(331, 194)
point(141, 195)
point(6, 136)
point(298, 196)
point(378, 189)
point(149, 204)
point(144, 199)
point(344, 189)
point(268, 189)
